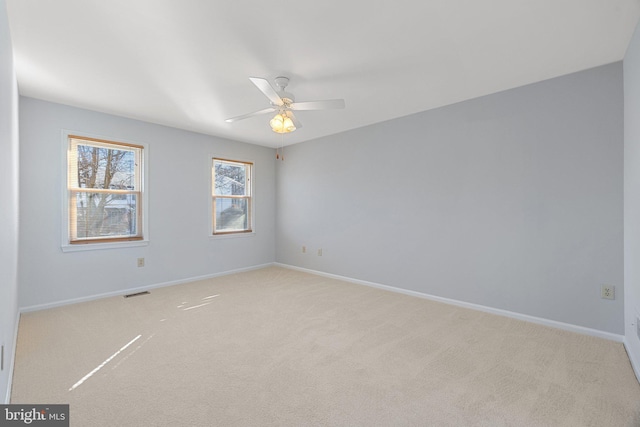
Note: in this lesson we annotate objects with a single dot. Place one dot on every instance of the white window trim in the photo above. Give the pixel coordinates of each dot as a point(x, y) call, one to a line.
point(241, 234)
point(66, 246)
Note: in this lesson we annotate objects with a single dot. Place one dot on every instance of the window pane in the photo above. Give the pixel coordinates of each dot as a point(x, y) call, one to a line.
point(112, 174)
point(106, 215)
point(231, 196)
point(231, 214)
point(231, 179)
point(100, 167)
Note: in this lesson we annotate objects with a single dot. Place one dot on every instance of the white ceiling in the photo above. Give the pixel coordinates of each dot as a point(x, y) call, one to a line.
point(186, 63)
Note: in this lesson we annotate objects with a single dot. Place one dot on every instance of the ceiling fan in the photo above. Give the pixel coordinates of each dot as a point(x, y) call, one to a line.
point(283, 104)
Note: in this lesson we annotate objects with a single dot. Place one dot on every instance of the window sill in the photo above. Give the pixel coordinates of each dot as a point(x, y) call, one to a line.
point(232, 235)
point(99, 246)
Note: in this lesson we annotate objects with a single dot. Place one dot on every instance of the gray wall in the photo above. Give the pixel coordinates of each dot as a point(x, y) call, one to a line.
point(8, 200)
point(511, 201)
point(632, 197)
point(179, 202)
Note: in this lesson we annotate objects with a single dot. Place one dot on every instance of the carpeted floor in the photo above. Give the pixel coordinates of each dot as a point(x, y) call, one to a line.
point(280, 347)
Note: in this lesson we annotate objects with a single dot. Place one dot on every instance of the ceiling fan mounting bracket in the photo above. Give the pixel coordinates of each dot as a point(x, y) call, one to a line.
point(281, 82)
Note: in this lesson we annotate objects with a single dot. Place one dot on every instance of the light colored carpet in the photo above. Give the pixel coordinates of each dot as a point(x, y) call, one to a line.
point(281, 347)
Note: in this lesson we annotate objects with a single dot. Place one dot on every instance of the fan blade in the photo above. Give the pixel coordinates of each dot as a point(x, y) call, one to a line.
point(268, 90)
point(293, 118)
point(255, 113)
point(318, 105)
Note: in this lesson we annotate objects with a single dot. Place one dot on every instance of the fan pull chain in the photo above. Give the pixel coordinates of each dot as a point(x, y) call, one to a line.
point(280, 150)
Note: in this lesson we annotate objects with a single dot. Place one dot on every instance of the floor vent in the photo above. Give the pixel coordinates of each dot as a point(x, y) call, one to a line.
point(136, 294)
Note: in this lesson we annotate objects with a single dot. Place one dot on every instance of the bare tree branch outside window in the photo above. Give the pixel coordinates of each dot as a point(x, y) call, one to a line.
point(112, 208)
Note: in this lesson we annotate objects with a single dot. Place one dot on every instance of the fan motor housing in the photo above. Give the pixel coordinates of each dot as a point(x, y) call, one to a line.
point(287, 97)
point(282, 83)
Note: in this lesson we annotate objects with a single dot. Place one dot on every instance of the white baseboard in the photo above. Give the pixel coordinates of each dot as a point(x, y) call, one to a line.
point(138, 289)
point(527, 318)
point(7, 398)
point(635, 364)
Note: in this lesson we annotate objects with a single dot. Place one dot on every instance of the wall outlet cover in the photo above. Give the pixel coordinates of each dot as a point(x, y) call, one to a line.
point(608, 292)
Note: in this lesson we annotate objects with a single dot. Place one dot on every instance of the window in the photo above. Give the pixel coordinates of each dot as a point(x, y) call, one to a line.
point(104, 187)
point(231, 196)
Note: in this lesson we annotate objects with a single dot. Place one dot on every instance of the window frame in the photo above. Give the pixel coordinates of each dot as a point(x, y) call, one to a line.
point(249, 197)
point(69, 244)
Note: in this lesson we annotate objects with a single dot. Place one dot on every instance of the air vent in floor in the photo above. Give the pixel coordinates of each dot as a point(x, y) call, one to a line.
point(137, 294)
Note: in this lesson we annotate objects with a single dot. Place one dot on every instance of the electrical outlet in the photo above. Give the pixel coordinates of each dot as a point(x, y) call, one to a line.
point(320, 252)
point(608, 292)
point(140, 262)
point(304, 249)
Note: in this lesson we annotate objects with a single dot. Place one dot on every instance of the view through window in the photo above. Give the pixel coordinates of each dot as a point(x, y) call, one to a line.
point(105, 190)
point(231, 198)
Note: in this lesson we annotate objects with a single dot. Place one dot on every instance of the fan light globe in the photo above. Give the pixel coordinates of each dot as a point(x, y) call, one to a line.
point(282, 124)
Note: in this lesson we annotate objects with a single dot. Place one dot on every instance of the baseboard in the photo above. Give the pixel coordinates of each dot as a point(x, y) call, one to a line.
point(527, 318)
point(138, 289)
point(635, 364)
point(7, 398)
